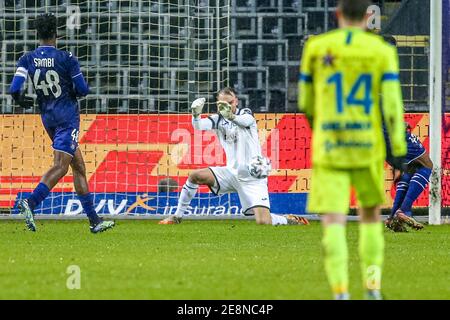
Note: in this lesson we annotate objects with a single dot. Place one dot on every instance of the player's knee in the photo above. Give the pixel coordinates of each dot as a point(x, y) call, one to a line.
point(61, 169)
point(82, 170)
point(196, 177)
point(79, 169)
point(405, 177)
point(370, 214)
point(192, 177)
point(328, 219)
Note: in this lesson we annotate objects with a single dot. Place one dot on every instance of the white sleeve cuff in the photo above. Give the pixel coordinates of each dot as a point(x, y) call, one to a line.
point(21, 72)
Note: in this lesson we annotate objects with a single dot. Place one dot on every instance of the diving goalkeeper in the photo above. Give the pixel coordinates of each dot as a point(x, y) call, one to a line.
point(237, 132)
point(343, 73)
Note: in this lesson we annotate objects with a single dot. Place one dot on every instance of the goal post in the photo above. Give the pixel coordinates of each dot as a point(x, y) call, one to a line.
point(437, 99)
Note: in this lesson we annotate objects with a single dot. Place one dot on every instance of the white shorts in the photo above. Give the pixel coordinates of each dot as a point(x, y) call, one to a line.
point(252, 193)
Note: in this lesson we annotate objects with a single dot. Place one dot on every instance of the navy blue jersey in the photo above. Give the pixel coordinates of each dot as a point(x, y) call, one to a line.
point(57, 80)
point(415, 147)
point(52, 72)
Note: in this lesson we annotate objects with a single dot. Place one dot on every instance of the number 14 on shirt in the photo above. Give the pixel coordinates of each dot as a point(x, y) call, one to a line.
point(364, 81)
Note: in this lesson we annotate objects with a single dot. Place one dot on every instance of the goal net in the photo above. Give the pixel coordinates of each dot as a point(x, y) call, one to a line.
point(145, 62)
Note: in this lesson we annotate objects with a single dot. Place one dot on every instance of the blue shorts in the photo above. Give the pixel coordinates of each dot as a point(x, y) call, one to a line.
point(64, 137)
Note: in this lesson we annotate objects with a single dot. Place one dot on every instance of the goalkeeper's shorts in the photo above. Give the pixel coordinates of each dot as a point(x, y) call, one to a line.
point(330, 188)
point(252, 193)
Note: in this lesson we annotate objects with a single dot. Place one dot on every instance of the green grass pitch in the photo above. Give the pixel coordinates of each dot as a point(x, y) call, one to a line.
point(207, 260)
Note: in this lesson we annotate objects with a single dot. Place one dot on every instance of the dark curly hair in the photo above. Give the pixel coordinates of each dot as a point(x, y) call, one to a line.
point(45, 25)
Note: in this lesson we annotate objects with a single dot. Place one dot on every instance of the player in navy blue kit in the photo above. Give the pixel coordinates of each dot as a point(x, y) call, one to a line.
point(410, 182)
point(58, 81)
point(409, 185)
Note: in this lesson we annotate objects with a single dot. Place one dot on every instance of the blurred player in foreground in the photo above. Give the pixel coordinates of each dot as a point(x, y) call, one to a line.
point(246, 170)
point(343, 73)
point(58, 81)
point(409, 185)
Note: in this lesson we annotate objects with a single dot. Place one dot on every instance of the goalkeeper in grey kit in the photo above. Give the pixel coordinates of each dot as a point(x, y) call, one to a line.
point(246, 169)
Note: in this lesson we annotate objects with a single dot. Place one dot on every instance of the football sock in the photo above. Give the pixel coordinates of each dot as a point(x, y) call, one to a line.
point(278, 220)
point(187, 193)
point(371, 252)
point(39, 194)
point(417, 185)
point(402, 189)
point(87, 202)
point(336, 257)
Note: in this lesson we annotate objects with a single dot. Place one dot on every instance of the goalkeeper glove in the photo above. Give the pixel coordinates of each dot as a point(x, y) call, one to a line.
point(197, 107)
point(225, 110)
point(23, 100)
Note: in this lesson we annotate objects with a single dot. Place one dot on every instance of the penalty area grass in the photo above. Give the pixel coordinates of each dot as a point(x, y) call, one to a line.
point(221, 259)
